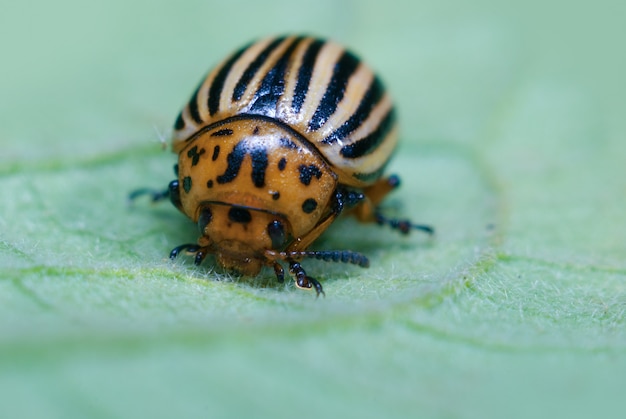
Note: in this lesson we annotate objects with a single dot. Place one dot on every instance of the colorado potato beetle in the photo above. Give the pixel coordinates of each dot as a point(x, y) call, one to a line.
point(277, 141)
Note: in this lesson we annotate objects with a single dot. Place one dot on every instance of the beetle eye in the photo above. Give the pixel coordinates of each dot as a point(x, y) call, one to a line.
point(205, 218)
point(276, 232)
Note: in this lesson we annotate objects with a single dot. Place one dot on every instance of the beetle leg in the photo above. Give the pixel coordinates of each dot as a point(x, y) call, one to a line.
point(199, 252)
point(368, 211)
point(172, 192)
point(301, 243)
point(374, 194)
point(347, 199)
point(280, 272)
point(379, 190)
point(404, 226)
point(303, 281)
point(200, 255)
point(155, 195)
point(187, 247)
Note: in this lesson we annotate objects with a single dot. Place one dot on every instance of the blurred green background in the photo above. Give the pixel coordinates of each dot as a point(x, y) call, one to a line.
point(513, 147)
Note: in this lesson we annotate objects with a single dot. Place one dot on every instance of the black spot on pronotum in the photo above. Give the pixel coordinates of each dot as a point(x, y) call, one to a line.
point(234, 159)
point(256, 131)
point(239, 215)
point(222, 133)
point(309, 205)
point(187, 184)
point(258, 153)
point(259, 165)
point(275, 196)
point(209, 183)
point(194, 154)
point(205, 218)
point(282, 163)
point(307, 172)
point(216, 153)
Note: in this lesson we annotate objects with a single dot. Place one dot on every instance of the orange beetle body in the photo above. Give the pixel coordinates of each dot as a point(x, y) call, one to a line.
point(274, 144)
point(242, 172)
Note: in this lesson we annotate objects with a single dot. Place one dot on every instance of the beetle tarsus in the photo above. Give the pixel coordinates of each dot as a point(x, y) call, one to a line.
point(154, 194)
point(200, 255)
point(318, 287)
point(303, 281)
point(403, 226)
point(347, 198)
point(172, 192)
point(280, 272)
point(394, 181)
point(188, 247)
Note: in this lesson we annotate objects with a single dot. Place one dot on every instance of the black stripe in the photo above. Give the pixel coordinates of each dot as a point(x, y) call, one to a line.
point(215, 91)
point(273, 84)
point(368, 144)
point(370, 100)
point(344, 68)
point(305, 73)
point(372, 176)
point(193, 106)
point(180, 122)
point(254, 66)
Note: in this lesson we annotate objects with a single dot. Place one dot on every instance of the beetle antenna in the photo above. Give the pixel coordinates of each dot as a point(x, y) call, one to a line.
point(343, 256)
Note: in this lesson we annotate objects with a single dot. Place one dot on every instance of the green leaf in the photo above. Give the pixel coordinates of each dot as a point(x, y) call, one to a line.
point(512, 147)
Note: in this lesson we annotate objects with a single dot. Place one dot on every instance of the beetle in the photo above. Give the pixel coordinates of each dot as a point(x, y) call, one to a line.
point(275, 143)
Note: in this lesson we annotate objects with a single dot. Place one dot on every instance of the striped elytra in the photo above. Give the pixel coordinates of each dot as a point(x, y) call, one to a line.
point(276, 142)
point(315, 87)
